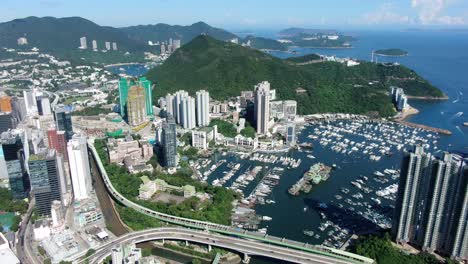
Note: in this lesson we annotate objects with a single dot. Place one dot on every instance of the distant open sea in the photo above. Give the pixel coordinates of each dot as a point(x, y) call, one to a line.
point(440, 57)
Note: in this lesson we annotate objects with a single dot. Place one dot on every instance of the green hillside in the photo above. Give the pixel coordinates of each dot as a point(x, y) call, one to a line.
point(162, 32)
point(225, 69)
point(49, 33)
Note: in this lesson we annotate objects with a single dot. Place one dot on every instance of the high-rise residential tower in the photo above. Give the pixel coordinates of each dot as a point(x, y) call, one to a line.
point(146, 84)
point(262, 107)
point(124, 86)
point(203, 108)
point(79, 167)
point(187, 112)
point(431, 207)
point(136, 110)
point(168, 143)
point(83, 43)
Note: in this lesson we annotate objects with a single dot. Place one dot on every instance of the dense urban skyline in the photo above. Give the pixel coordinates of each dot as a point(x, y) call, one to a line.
point(245, 15)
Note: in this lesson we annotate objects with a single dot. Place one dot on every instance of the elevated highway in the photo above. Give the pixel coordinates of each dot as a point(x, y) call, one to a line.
point(227, 231)
point(246, 247)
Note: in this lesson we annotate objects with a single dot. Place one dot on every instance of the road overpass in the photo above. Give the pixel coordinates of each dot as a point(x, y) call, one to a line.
point(246, 247)
point(228, 231)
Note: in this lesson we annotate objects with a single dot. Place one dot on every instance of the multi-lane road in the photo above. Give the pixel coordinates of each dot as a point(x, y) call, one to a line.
point(247, 247)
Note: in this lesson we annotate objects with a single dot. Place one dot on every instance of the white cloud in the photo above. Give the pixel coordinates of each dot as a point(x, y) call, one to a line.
point(431, 12)
point(385, 14)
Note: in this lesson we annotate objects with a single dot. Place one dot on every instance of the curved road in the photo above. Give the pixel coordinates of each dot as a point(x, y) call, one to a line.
point(237, 244)
point(228, 231)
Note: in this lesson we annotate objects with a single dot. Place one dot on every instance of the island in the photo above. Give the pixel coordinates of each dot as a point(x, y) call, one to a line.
point(391, 52)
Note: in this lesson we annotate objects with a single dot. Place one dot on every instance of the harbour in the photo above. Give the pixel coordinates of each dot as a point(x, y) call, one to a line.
point(334, 161)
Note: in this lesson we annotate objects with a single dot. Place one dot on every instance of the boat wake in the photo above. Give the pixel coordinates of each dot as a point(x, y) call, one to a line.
point(457, 115)
point(461, 131)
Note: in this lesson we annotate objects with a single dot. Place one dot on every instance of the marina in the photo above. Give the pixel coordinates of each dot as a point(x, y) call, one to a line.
point(347, 189)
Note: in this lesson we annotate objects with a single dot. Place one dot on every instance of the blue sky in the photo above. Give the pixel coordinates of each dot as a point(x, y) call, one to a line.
point(251, 14)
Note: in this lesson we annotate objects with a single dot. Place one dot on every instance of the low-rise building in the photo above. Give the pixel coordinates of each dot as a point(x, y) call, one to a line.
point(41, 230)
point(202, 137)
point(148, 188)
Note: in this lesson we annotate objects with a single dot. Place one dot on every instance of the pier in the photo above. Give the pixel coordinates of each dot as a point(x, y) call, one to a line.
point(428, 128)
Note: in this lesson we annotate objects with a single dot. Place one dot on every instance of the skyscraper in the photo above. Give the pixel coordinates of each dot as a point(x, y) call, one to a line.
point(170, 104)
point(124, 85)
point(83, 43)
point(431, 207)
point(262, 107)
point(44, 177)
point(187, 112)
point(12, 157)
point(43, 105)
point(57, 140)
point(95, 47)
point(146, 84)
point(7, 122)
point(412, 195)
point(114, 46)
point(108, 45)
point(123, 94)
point(136, 110)
point(63, 122)
point(19, 108)
point(203, 108)
point(79, 167)
point(169, 143)
point(30, 101)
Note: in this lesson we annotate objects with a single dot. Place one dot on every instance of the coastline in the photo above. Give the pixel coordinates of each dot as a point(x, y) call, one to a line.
point(402, 119)
point(122, 64)
point(411, 111)
point(386, 55)
point(445, 97)
point(320, 47)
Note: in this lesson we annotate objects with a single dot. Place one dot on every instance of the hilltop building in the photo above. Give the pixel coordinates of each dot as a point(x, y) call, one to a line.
point(431, 210)
point(83, 43)
point(22, 41)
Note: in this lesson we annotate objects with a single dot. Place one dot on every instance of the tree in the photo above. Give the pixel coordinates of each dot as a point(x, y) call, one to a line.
point(248, 132)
